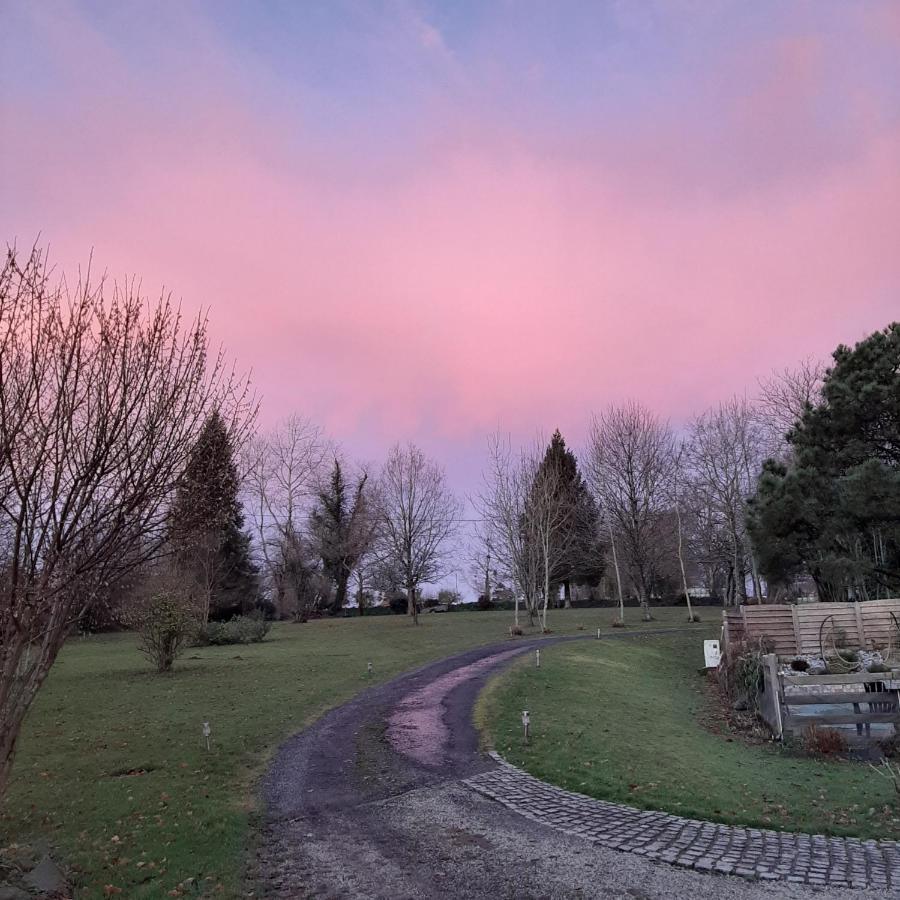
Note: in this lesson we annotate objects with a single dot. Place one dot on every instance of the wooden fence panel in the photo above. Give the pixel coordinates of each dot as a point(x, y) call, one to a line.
point(798, 628)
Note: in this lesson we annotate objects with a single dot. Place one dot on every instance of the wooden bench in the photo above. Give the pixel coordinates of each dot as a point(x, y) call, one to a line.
point(865, 693)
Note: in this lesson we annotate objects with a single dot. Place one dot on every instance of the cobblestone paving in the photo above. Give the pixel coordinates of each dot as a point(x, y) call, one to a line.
point(706, 846)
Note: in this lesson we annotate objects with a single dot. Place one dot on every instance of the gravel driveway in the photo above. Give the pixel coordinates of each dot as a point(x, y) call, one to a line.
point(369, 803)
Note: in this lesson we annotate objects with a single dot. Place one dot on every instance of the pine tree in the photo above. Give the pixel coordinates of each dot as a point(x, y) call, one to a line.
point(835, 511)
point(211, 548)
point(577, 555)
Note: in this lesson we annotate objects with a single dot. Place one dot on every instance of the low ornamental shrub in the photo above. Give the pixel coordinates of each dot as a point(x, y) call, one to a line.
point(399, 605)
point(823, 741)
point(239, 630)
point(165, 627)
point(740, 672)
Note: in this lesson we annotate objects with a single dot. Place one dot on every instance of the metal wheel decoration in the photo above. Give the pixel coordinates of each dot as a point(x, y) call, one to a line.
point(891, 653)
point(842, 659)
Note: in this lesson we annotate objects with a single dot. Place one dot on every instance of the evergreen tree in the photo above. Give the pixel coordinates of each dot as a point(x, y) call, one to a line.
point(579, 559)
point(211, 548)
point(834, 511)
point(342, 529)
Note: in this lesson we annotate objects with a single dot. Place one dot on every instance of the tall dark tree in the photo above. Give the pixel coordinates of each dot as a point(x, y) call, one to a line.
point(578, 556)
point(834, 510)
point(212, 550)
point(342, 526)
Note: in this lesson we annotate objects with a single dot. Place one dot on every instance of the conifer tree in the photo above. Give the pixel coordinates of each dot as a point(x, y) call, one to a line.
point(834, 510)
point(211, 548)
point(572, 550)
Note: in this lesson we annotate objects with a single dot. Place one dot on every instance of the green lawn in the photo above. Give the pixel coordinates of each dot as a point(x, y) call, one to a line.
point(112, 770)
point(630, 721)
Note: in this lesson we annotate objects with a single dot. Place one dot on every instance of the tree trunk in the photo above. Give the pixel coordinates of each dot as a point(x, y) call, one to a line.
point(618, 578)
point(567, 594)
point(546, 593)
point(687, 593)
point(757, 582)
point(8, 734)
point(340, 593)
point(644, 599)
point(411, 606)
point(360, 594)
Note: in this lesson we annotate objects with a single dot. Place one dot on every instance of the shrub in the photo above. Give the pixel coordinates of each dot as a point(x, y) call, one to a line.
point(515, 631)
point(693, 617)
point(890, 745)
point(617, 623)
point(398, 604)
point(823, 741)
point(239, 630)
point(740, 672)
point(484, 602)
point(166, 626)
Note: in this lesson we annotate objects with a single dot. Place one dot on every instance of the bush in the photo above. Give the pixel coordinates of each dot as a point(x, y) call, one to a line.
point(239, 630)
point(890, 745)
point(693, 618)
point(617, 623)
point(823, 741)
point(740, 672)
point(166, 625)
point(398, 604)
point(484, 602)
point(515, 631)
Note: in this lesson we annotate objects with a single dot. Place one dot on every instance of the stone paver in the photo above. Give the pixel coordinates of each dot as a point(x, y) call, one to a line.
point(705, 846)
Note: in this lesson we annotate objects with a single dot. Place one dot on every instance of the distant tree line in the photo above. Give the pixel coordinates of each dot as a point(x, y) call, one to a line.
point(795, 491)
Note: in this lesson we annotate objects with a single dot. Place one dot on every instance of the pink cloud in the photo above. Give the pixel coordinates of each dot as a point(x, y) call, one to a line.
point(486, 277)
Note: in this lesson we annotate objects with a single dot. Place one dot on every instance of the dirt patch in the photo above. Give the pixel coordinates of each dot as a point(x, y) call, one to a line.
point(721, 718)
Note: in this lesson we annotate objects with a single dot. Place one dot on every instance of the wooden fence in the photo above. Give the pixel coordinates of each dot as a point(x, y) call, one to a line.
point(791, 703)
point(795, 629)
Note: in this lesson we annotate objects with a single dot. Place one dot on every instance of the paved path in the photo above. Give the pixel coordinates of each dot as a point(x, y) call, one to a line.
point(705, 846)
point(388, 796)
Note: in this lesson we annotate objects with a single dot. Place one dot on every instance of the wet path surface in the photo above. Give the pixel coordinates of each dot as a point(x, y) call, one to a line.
point(373, 801)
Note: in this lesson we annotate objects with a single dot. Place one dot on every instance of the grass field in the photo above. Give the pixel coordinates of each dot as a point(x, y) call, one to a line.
point(112, 770)
point(632, 721)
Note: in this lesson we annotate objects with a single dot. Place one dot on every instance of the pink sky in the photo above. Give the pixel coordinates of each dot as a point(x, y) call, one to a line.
point(461, 261)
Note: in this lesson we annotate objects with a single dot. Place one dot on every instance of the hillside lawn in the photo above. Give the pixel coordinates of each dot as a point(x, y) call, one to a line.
point(113, 772)
point(632, 721)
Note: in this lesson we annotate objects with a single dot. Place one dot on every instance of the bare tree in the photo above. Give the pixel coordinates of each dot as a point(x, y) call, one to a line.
point(783, 398)
point(284, 469)
point(503, 506)
point(418, 518)
point(480, 558)
point(677, 480)
point(630, 462)
point(296, 574)
point(725, 454)
point(102, 395)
